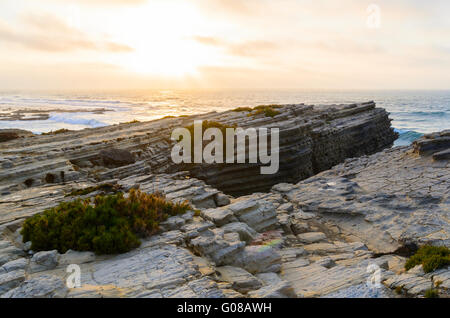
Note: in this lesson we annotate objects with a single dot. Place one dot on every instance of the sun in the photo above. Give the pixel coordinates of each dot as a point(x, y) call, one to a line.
point(161, 35)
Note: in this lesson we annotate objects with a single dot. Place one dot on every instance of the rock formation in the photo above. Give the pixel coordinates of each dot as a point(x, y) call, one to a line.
point(312, 139)
point(320, 237)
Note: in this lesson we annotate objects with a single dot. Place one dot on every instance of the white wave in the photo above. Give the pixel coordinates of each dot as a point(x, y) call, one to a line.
point(77, 121)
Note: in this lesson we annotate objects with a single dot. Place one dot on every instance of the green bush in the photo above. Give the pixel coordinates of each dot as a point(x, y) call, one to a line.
point(108, 225)
point(267, 110)
point(430, 257)
point(431, 293)
point(242, 109)
point(56, 132)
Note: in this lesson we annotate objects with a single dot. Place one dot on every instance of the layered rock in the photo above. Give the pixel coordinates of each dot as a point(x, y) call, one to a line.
point(312, 139)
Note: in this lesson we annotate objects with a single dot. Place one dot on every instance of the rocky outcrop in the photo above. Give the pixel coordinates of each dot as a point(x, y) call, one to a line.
point(386, 200)
point(312, 139)
point(344, 232)
point(11, 134)
point(316, 238)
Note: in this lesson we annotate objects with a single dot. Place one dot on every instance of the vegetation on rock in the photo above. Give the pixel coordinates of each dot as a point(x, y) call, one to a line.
point(56, 132)
point(108, 225)
point(242, 109)
point(430, 257)
point(267, 110)
point(431, 293)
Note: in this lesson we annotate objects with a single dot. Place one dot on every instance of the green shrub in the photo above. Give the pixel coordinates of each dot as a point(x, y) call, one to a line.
point(430, 257)
point(242, 109)
point(431, 293)
point(134, 121)
point(108, 225)
point(267, 110)
point(56, 132)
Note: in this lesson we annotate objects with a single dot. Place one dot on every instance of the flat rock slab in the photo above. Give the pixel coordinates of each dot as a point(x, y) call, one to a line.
point(315, 280)
point(241, 280)
point(382, 200)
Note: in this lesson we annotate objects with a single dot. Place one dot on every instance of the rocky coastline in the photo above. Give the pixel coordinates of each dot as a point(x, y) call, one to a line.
point(343, 206)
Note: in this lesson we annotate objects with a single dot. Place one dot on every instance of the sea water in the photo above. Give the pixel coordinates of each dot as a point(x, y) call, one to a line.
point(414, 113)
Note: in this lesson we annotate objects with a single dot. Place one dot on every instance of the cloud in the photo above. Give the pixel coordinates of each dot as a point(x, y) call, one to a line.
point(243, 49)
point(107, 2)
point(49, 33)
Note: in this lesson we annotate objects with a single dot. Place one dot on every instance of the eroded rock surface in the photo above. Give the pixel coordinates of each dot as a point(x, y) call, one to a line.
point(342, 233)
point(312, 139)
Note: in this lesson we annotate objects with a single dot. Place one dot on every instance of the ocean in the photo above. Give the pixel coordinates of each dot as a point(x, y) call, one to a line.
point(414, 113)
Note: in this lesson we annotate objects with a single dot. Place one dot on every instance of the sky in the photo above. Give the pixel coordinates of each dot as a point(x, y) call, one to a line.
point(224, 44)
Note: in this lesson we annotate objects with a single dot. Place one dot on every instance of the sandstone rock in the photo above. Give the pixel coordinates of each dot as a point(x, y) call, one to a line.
point(409, 283)
point(335, 248)
point(362, 291)
point(45, 286)
point(11, 134)
point(281, 289)
point(259, 259)
point(173, 223)
point(221, 199)
point(291, 253)
point(441, 278)
point(11, 280)
point(258, 214)
point(42, 261)
point(222, 248)
point(382, 200)
point(269, 278)
point(315, 280)
point(18, 264)
point(241, 280)
point(311, 237)
point(9, 252)
point(194, 229)
point(219, 216)
point(245, 232)
point(116, 157)
point(75, 257)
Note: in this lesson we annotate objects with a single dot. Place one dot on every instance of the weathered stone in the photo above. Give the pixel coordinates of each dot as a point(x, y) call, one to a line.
point(42, 261)
point(259, 259)
point(11, 280)
point(17, 264)
point(241, 280)
point(75, 257)
point(222, 248)
point(44, 286)
point(221, 199)
point(259, 214)
point(9, 253)
point(311, 237)
point(246, 233)
point(173, 223)
point(315, 280)
point(409, 283)
point(219, 216)
point(281, 289)
point(116, 157)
